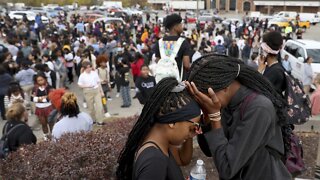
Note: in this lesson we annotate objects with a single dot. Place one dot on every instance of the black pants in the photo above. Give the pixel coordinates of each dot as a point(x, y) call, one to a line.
point(2, 108)
point(70, 74)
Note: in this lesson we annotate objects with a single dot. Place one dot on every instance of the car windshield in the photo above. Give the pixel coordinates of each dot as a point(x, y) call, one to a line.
point(314, 53)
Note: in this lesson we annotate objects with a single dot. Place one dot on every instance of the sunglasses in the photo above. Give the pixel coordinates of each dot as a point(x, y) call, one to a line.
point(197, 125)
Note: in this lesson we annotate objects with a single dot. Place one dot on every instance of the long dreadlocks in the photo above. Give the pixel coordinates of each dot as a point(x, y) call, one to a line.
point(219, 71)
point(161, 102)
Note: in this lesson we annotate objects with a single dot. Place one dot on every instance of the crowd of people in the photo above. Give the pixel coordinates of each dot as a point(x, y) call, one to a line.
point(42, 60)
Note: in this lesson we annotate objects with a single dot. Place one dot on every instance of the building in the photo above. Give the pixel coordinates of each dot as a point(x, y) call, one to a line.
point(178, 4)
point(264, 6)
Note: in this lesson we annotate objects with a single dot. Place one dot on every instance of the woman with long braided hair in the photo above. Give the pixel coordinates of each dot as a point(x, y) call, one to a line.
point(244, 113)
point(169, 119)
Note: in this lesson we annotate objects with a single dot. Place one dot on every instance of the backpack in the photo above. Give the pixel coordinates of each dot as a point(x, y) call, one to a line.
point(167, 65)
point(294, 160)
point(4, 145)
point(298, 110)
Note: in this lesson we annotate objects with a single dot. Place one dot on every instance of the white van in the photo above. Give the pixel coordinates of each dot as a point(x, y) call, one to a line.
point(313, 18)
point(289, 15)
point(298, 51)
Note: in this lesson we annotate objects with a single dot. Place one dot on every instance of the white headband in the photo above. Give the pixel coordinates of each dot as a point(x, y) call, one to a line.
point(180, 87)
point(268, 49)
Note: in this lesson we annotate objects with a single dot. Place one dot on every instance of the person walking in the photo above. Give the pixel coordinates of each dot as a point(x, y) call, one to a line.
point(4, 85)
point(307, 75)
point(89, 81)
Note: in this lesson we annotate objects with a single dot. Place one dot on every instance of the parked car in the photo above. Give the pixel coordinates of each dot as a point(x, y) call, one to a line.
point(226, 22)
point(90, 17)
point(30, 16)
point(313, 18)
point(289, 15)
point(283, 23)
point(298, 51)
point(109, 20)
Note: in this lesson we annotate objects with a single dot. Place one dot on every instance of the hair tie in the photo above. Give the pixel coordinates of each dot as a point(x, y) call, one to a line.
point(238, 70)
point(180, 87)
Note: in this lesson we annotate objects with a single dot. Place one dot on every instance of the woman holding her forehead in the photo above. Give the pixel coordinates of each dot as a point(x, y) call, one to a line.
point(244, 115)
point(168, 120)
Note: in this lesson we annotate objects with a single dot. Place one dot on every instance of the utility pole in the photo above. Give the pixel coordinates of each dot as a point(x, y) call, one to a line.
point(197, 9)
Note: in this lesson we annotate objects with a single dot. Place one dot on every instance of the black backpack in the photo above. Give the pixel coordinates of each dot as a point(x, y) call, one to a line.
point(4, 145)
point(298, 109)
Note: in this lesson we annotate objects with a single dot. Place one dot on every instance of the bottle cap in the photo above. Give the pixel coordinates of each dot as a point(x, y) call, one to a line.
point(200, 162)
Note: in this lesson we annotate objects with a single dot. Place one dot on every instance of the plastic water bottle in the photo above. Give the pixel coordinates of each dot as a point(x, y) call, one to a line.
point(198, 172)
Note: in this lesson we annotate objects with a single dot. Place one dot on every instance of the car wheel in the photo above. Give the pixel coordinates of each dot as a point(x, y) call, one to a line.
point(314, 23)
point(304, 28)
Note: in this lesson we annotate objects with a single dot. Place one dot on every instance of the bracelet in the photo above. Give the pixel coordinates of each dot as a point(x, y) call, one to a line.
point(215, 119)
point(214, 115)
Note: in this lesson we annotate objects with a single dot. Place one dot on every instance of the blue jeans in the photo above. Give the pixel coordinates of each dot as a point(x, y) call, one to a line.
point(125, 93)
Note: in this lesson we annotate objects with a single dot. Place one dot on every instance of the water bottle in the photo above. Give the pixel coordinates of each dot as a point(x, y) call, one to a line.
point(198, 172)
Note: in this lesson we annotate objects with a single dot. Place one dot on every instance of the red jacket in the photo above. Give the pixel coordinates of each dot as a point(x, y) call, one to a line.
point(136, 66)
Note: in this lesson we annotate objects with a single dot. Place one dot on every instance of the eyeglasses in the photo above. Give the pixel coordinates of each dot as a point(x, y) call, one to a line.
point(197, 125)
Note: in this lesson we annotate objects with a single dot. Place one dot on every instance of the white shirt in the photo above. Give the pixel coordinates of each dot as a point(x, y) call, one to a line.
point(83, 122)
point(50, 65)
point(89, 79)
point(217, 38)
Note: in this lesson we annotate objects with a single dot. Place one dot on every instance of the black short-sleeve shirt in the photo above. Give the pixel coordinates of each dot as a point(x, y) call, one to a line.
point(275, 74)
point(153, 164)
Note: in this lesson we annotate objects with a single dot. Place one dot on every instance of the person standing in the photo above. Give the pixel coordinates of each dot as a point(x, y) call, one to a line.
point(246, 52)
point(22, 133)
point(89, 81)
point(43, 105)
point(234, 49)
point(25, 78)
point(286, 64)
point(244, 115)
point(307, 75)
point(123, 68)
point(68, 56)
point(145, 85)
point(73, 120)
point(173, 23)
point(4, 85)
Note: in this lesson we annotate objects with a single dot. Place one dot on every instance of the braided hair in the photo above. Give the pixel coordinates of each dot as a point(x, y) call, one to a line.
point(219, 71)
point(161, 102)
point(69, 105)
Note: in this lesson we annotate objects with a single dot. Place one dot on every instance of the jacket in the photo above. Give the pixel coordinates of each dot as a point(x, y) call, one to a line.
point(241, 149)
point(4, 83)
point(21, 135)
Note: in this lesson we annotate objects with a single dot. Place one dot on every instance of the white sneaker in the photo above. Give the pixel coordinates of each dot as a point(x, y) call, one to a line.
point(85, 105)
point(107, 115)
point(118, 95)
point(46, 137)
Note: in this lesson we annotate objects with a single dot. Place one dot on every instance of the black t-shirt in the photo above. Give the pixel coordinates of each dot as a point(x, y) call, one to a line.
point(153, 164)
point(183, 51)
point(146, 87)
point(275, 74)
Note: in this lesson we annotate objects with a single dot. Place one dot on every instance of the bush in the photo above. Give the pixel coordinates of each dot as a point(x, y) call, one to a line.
point(81, 155)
